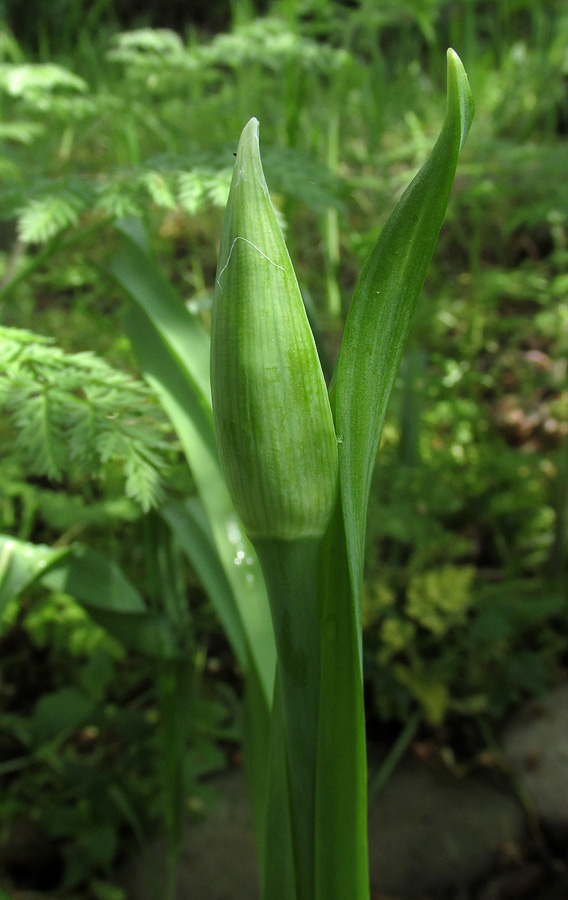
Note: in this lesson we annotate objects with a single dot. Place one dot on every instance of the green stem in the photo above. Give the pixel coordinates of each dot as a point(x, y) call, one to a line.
point(394, 755)
point(290, 571)
point(341, 861)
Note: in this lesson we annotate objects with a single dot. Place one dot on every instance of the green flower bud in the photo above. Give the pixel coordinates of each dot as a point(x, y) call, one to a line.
point(273, 420)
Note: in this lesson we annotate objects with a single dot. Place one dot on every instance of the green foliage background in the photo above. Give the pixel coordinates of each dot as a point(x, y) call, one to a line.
point(110, 112)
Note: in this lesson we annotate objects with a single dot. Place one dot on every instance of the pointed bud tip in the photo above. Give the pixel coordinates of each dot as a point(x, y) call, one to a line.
point(249, 146)
point(250, 129)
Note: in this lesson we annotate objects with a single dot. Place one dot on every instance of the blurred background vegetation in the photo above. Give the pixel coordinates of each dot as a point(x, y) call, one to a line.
point(131, 108)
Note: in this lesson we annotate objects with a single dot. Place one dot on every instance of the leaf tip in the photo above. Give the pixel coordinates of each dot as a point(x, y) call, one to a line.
point(459, 93)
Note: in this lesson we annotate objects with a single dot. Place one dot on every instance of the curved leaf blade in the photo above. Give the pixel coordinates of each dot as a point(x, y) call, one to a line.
point(172, 348)
point(162, 340)
point(189, 525)
point(381, 311)
point(341, 860)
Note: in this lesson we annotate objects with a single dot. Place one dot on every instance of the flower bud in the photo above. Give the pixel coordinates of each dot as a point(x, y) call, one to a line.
point(273, 420)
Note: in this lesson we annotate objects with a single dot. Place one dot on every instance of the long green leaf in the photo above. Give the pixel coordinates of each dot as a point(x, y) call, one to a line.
point(290, 569)
point(381, 311)
point(173, 349)
point(374, 338)
point(341, 862)
point(189, 525)
point(163, 341)
point(278, 871)
point(183, 334)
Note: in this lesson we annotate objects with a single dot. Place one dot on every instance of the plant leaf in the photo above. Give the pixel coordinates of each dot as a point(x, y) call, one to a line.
point(20, 564)
point(341, 860)
point(101, 587)
point(172, 347)
point(95, 582)
point(189, 526)
point(278, 877)
point(381, 311)
point(163, 335)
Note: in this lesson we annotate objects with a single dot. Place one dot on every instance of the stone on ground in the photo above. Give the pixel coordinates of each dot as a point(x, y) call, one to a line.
point(535, 744)
point(428, 832)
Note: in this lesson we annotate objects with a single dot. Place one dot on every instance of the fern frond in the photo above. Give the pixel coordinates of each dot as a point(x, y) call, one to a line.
point(83, 427)
point(46, 88)
point(66, 109)
point(203, 187)
point(159, 187)
point(39, 419)
point(121, 196)
point(156, 41)
point(74, 411)
point(32, 81)
point(142, 481)
point(156, 55)
point(42, 219)
point(270, 43)
point(153, 55)
point(21, 132)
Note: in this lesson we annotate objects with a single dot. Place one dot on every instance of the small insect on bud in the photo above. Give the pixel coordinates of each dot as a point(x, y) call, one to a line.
point(273, 420)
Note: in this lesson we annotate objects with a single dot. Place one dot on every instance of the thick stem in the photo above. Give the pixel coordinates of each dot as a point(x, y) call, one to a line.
point(290, 571)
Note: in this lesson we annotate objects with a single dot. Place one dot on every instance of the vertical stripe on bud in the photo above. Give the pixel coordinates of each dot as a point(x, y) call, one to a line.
point(272, 415)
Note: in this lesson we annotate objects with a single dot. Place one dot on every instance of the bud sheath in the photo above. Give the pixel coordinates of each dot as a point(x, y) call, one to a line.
point(273, 420)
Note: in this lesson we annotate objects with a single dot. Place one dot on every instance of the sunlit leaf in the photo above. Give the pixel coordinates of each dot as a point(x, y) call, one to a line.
point(381, 312)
